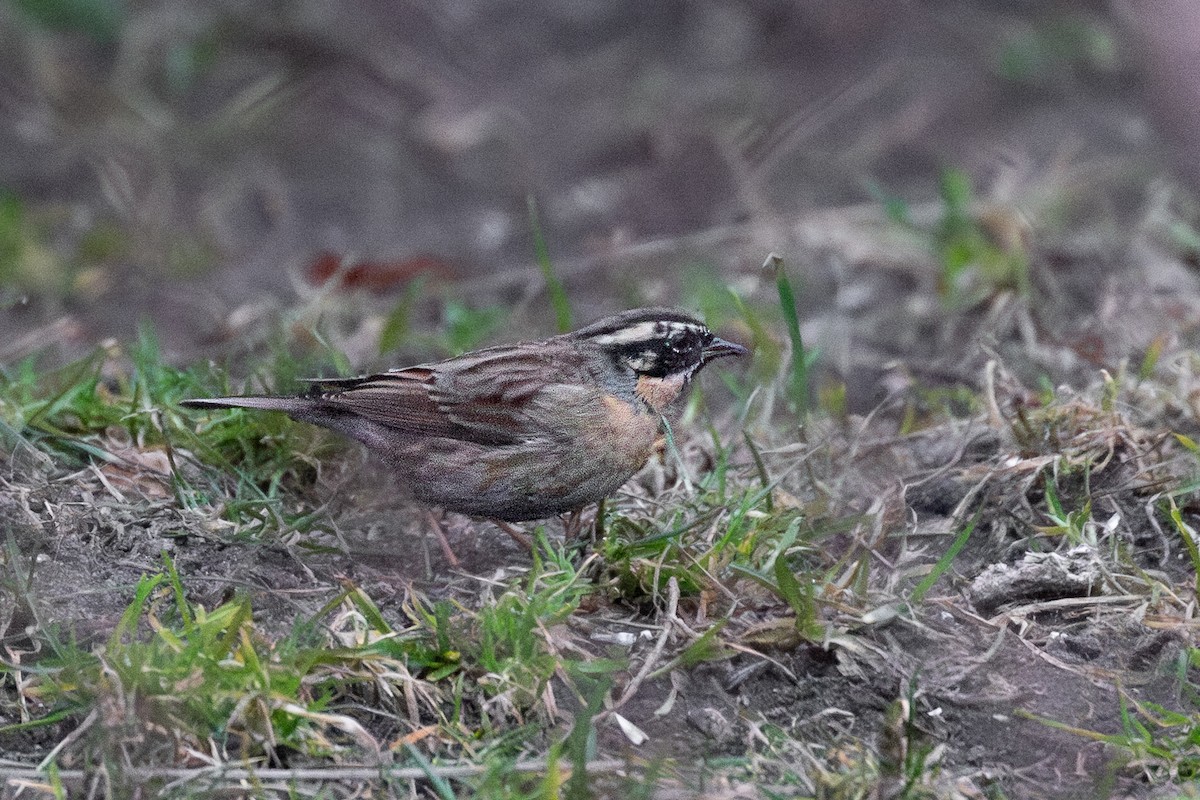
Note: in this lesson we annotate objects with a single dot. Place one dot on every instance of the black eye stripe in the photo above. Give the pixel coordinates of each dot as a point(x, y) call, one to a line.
point(673, 345)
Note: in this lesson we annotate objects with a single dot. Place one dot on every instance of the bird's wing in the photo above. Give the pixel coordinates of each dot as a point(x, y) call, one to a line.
point(484, 397)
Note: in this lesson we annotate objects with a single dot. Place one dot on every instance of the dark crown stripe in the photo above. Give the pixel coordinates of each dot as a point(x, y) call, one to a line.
point(637, 316)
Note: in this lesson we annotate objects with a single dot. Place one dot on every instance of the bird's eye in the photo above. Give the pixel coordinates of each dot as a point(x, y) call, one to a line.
point(681, 342)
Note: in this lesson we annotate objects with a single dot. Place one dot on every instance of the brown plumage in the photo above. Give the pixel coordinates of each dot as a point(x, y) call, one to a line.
point(521, 431)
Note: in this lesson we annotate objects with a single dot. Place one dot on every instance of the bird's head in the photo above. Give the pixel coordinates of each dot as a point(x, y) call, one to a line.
point(662, 349)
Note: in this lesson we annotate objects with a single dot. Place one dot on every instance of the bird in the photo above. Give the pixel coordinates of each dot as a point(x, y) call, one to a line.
point(521, 431)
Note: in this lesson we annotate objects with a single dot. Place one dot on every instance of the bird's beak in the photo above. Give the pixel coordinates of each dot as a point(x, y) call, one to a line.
point(719, 348)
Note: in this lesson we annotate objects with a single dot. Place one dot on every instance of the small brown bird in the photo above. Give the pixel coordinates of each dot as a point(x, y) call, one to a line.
point(521, 431)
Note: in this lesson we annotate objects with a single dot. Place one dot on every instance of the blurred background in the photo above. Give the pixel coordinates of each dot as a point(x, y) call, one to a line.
point(204, 164)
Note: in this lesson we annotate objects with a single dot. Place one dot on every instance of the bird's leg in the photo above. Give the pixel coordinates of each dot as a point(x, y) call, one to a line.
point(516, 533)
point(572, 523)
point(579, 536)
point(598, 522)
point(438, 529)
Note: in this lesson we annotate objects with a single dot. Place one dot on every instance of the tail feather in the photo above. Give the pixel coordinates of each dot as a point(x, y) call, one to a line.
point(266, 403)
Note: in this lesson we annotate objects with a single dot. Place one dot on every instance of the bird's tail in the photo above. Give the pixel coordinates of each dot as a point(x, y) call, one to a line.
point(265, 403)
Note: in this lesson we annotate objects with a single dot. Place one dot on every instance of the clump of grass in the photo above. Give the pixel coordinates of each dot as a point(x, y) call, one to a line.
point(207, 679)
point(980, 249)
point(1076, 526)
point(463, 327)
point(42, 255)
point(1057, 51)
point(487, 667)
point(1160, 745)
point(904, 763)
point(214, 682)
point(507, 650)
point(113, 399)
point(466, 328)
point(730, 542)
point(26, 260)
point(926, 406)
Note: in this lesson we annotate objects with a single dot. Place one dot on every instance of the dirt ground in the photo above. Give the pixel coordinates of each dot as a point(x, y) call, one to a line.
point(666, 145)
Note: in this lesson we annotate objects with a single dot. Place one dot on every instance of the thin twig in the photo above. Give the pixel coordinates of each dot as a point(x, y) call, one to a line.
point(659, 646)
point(69, 739)
point(324, 774)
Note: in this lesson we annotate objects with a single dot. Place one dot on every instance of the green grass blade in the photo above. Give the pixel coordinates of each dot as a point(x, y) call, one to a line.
point(439, 784)
point(554, 286)
point(760, 466)
point(684, 474)
point(947, 558)
point(41, 722)
point(580, 742)
point(127, 625)
point(1189, 541)
point(397, 324)
point(181, 603)
point(797, 388)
